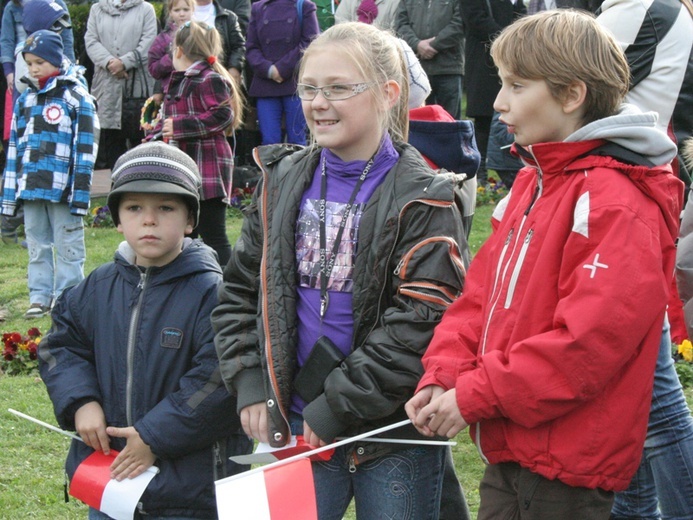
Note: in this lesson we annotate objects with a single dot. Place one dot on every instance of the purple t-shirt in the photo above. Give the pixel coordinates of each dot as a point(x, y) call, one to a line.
point(338, 322)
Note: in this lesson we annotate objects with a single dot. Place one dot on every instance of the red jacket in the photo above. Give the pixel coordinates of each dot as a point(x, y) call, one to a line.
point(552, 346)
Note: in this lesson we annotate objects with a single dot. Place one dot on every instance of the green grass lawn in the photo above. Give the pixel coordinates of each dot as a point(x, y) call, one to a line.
point(31, 457)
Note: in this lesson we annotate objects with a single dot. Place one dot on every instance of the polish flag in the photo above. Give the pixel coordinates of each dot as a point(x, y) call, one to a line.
point(283, 493)
point(93, 485)
point(266, 454)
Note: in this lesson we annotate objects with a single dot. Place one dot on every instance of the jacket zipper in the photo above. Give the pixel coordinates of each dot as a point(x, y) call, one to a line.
point(352, 464)
point(517, 269)
point(498, 284)
point(218, 466)
point(263, 284)
point(132, 331)
point(501, 272)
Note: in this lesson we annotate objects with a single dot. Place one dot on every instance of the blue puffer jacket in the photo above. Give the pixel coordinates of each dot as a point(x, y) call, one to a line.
point(140, 342)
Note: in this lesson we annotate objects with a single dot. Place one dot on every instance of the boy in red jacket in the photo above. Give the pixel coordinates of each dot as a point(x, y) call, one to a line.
point(550, 351)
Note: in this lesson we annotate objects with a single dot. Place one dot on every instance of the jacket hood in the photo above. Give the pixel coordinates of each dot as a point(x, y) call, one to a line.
point(632, 129)
point(627, 142)
point(195, 257)
point(443, 141)
point(41, 14)
point(113, 10)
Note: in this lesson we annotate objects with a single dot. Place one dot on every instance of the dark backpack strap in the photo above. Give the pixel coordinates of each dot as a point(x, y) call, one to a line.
point(622, 154)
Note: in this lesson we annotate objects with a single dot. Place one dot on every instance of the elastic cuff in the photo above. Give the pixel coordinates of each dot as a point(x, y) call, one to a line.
point(322, 420)
point(250, 388)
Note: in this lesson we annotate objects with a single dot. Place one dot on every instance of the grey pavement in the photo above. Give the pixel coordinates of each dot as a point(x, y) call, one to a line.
point(100, 183)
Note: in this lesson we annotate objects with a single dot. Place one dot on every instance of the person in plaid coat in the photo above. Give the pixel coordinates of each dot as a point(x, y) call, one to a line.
point(201, 103)
point(50, 163)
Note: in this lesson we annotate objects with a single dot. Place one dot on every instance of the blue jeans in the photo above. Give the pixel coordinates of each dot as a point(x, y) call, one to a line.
point(56, 249)
point(98, 515)
point(665, 475)
point(405, 484)
point(269, 115)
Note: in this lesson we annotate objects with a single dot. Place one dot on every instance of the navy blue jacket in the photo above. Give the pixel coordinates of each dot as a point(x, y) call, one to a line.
point(140, 342)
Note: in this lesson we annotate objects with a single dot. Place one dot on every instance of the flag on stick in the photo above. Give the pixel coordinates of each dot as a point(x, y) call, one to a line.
point(266, 454)
point(248, 495)
point(93, 485)
point(45, 424)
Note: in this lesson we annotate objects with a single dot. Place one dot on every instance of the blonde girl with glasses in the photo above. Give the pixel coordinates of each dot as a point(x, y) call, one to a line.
point(202, 103)
point(350, 252)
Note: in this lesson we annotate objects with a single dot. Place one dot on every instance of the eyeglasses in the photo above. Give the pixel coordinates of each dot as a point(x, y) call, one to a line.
point(336, 92)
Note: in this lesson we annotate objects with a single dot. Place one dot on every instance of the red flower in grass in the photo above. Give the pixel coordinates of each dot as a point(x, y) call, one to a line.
point(20, 353)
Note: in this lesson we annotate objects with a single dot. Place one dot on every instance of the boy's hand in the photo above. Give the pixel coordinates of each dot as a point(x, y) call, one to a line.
point(254, 421)
point(441, 416)
point(90, 423)
point(415, 404)
point(135, 458)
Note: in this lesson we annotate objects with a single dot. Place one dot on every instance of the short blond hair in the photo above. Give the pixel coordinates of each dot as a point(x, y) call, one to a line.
point(562, 46)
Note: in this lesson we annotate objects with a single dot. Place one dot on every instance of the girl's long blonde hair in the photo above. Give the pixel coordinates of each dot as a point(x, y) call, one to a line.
point(377, 55)
point(200, 42)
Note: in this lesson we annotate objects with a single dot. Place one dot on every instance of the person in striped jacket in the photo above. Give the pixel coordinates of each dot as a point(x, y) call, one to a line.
point(657, 37)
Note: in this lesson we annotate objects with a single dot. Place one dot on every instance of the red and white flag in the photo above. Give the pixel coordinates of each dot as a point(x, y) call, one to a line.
point(283, 490)
point(93, 485)
point(282, 493)
point(266, 454)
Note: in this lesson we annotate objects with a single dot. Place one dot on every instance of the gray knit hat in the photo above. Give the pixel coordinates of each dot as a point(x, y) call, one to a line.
point(155, 167)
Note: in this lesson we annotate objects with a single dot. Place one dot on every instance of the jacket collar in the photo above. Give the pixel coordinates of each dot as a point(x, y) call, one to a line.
point(195, 69)
point(553, 158)
point(107, 5)
point(411, 175)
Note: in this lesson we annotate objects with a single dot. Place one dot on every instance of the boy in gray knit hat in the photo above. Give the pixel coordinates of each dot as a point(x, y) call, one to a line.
point(156, 167)
point(130, 363)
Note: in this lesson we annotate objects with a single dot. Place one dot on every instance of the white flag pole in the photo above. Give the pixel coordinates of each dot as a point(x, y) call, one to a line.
point(412, 441)
point(294, 458)
point(44, 424)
